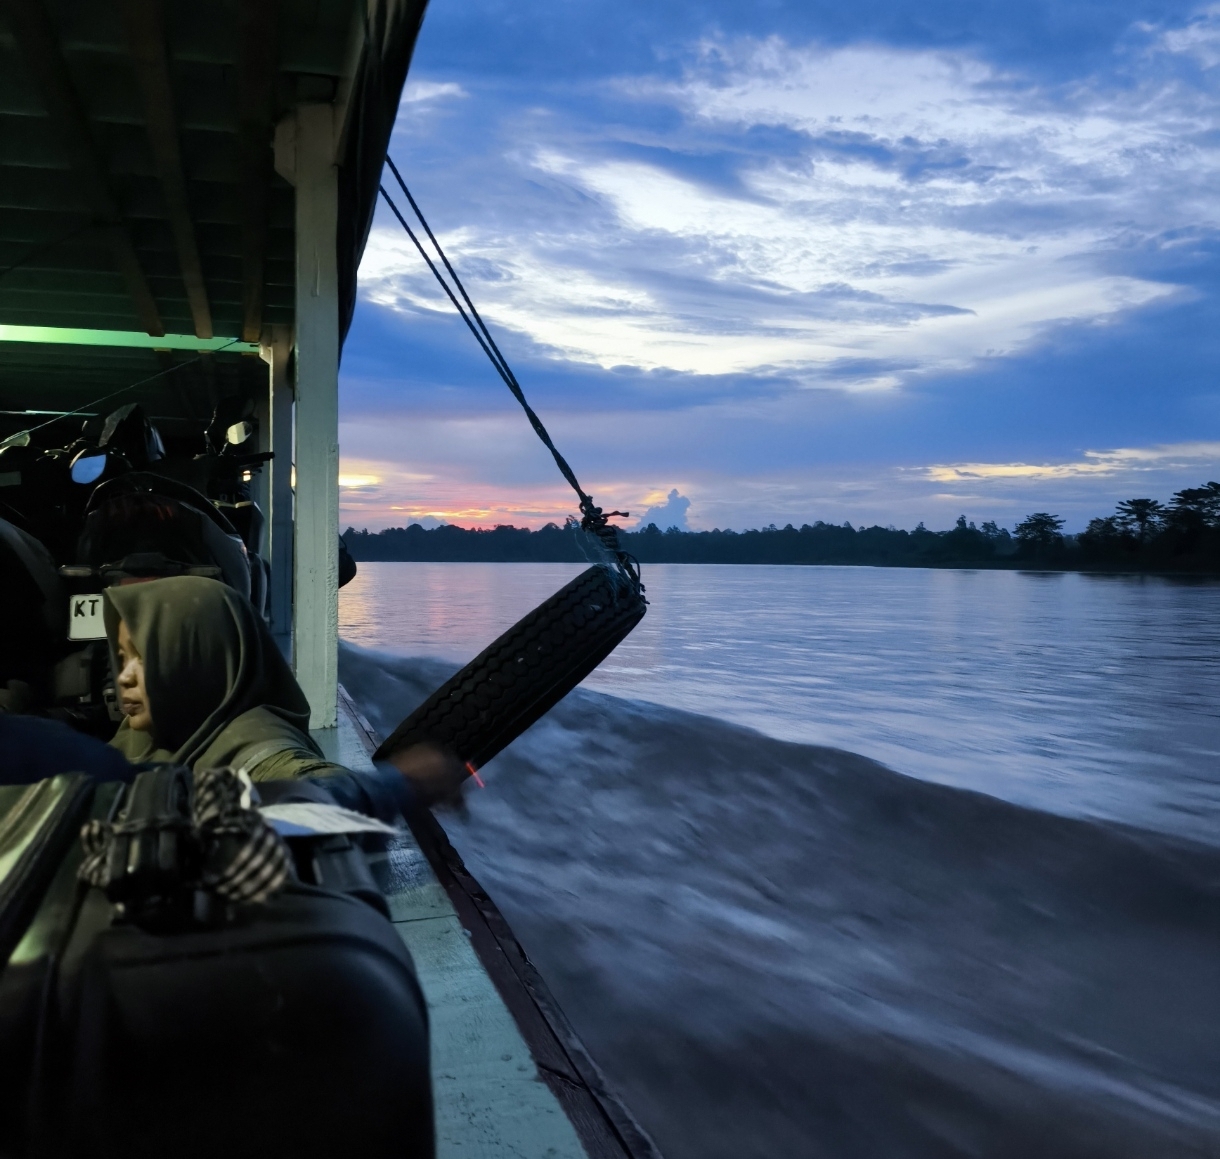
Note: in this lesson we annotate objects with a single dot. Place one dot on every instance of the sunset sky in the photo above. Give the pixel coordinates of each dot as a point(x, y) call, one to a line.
point(794, 261)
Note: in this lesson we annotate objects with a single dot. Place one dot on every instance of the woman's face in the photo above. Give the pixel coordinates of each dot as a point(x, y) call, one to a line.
point(133, 700)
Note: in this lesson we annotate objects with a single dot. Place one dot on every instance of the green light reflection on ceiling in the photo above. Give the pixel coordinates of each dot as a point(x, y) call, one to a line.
point(70, 337)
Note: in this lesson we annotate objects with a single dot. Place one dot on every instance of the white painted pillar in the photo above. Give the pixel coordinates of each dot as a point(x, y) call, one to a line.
point(276, 351)
point(316, 588)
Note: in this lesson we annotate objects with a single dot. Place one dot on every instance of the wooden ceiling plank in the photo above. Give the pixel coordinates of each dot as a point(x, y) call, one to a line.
point(36, 37)
point(144, 21)
point(257, 61)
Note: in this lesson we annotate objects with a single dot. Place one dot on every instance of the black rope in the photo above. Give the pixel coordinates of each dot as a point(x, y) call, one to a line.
point(594, 519)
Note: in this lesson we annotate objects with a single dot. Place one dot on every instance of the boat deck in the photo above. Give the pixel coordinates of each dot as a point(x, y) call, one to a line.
point(510, 1077)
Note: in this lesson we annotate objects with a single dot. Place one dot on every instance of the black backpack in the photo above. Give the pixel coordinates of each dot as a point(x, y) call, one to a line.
point(157, 1016)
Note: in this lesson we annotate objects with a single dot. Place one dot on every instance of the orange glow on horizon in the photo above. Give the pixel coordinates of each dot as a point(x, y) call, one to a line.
point(381, 505)
point(470, 518)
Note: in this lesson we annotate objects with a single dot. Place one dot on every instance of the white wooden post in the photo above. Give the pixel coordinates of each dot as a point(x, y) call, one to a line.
point(316, 589)
point(276, 351)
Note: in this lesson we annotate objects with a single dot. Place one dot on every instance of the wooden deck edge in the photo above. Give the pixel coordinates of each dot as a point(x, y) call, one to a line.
point(605, 1126)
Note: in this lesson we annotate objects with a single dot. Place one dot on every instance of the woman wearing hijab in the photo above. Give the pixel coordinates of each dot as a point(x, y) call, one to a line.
point(201, 683)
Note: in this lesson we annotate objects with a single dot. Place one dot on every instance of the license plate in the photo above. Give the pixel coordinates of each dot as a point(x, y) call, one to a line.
point(85, 617)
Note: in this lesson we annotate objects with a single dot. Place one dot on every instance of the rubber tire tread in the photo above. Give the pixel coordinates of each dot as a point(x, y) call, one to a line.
point(527, 671)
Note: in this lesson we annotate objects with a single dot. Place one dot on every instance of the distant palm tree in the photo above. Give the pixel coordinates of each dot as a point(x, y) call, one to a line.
point(1101, 530)
point(1140, 516)
point(1197, 506)
point(1040, 531)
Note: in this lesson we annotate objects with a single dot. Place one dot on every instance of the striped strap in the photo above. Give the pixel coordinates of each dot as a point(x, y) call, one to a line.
point(243, 858)
point(246, 859)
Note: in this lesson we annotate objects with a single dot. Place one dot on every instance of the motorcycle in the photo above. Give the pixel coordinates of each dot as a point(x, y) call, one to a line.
point(114, 507)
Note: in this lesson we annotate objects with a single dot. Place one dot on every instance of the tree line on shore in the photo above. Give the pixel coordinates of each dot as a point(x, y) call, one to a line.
point(1141, 535)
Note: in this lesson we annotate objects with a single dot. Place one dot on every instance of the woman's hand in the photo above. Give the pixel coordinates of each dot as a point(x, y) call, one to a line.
point(434, 772)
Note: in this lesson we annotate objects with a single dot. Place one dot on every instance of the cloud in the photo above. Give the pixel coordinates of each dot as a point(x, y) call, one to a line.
point(420, 91)
point(793, 263)
point(929, 211)
point(671, 513)
point(1121, 461)
point(1198, 38)
point(358, 482)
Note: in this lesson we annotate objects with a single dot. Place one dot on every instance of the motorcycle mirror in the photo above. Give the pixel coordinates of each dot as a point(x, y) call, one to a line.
point(88, 467)
point(238, 433)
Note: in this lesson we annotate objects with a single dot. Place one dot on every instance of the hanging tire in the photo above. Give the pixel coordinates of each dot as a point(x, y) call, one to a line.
point(527, 671)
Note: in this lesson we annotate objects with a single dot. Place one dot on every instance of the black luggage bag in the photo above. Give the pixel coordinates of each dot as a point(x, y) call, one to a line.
point(193, 1026)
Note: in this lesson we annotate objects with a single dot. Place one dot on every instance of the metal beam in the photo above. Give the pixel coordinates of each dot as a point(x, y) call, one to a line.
point(39, 48)
point(257, 61)
point(144, 21)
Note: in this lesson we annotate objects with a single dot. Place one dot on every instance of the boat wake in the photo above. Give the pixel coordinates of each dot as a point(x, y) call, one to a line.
point(775, 949)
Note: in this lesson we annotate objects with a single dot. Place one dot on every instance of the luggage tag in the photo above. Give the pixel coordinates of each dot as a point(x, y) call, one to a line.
point(313, 819)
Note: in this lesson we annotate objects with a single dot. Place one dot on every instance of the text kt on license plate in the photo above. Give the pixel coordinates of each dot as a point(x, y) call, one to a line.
point(85, 617)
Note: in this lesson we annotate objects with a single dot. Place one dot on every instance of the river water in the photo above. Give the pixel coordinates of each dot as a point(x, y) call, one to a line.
point(859, 862)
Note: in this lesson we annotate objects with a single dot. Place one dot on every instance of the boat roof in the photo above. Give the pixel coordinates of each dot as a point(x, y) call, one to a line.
point(143, 225)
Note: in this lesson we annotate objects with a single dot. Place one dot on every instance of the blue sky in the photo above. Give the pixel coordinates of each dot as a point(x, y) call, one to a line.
point(882, 263)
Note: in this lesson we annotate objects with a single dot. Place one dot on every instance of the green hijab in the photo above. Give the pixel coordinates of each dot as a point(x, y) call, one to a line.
point(217, 685)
